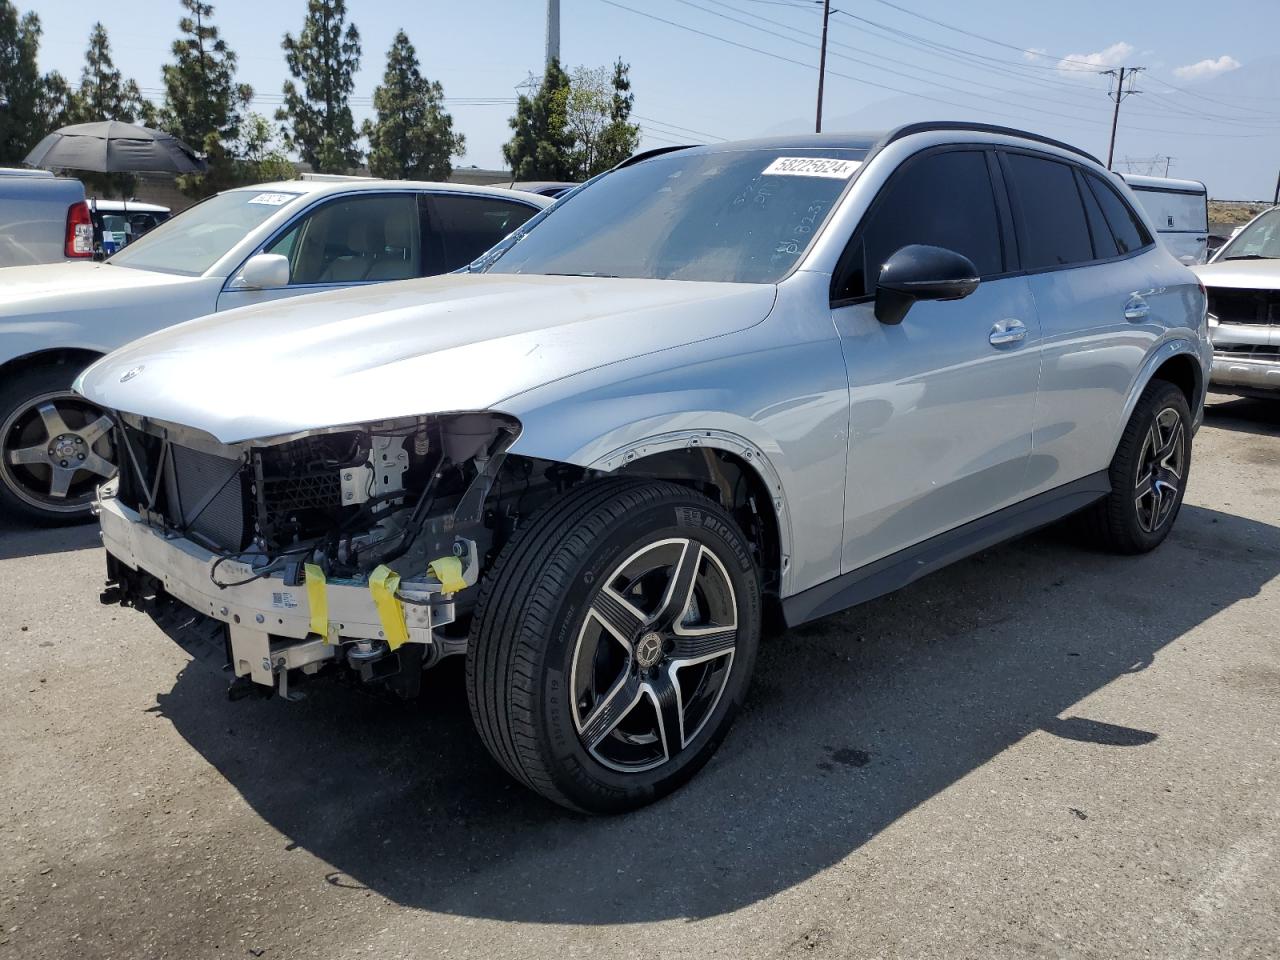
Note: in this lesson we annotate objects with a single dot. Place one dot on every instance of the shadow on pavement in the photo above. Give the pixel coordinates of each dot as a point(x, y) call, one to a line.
point(1243, 414)
point(20, 539)
point(852, 722)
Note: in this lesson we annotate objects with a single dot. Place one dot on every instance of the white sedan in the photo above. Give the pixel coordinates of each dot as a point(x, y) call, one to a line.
point(240, 247)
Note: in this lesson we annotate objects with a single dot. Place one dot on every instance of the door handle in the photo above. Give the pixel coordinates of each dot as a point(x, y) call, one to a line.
point(1007, 331)
point(1137, 309)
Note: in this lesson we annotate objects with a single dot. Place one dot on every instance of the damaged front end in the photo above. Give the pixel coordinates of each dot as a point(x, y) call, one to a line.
point(340, 548)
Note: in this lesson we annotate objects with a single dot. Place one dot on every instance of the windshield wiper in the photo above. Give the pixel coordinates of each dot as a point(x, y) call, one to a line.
point(1249, 256)
point(611, 276)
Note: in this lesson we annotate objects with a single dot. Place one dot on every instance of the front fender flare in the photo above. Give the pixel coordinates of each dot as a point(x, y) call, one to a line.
point(751, 453)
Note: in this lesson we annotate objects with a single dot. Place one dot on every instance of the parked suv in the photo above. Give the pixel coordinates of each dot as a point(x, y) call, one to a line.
point(716, 386)
point(244, 246)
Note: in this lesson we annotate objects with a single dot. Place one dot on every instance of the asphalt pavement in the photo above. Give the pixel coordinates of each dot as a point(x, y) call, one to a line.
point(1042, 751)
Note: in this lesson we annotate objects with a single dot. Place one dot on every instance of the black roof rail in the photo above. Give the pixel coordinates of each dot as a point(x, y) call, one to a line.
point(650, 154)
point(931, 125)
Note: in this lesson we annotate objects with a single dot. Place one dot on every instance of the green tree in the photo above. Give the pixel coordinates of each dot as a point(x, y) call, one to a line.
point(412, 137)
point(542, 145)
point(54, 101)
point(21, 86)
point(325, 57)
point(621, 137)
point(104, 94)
point(258, 155)
point(597, 115)
point(202, 101)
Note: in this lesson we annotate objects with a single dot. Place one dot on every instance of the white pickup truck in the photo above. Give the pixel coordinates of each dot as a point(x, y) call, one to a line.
point(43, 218)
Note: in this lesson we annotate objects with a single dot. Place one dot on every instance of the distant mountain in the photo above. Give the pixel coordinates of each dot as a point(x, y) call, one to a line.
point(1237, 160)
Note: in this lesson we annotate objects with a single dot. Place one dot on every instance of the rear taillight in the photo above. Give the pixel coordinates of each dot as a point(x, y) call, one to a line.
point(79, 241)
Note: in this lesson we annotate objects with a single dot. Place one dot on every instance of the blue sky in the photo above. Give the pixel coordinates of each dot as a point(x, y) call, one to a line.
point(1209, 95)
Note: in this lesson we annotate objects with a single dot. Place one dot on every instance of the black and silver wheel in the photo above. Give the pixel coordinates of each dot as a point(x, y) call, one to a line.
point(1162, 464)
point(1148, 474)
point(55, 447)
point(613, 642)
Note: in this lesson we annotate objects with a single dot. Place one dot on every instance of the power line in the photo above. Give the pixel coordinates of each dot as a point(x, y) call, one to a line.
point(1026, 51)
point(880, 67)
point(884, 69)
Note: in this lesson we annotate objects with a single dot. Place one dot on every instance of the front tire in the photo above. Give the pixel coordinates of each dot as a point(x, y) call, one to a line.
point(1148, 474)
point(55, 447)
point(613, 643)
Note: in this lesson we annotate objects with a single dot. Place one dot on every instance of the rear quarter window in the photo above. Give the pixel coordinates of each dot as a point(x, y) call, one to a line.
point(1125, 223)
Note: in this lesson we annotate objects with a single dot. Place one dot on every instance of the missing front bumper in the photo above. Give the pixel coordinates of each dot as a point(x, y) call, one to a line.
point(269, 620)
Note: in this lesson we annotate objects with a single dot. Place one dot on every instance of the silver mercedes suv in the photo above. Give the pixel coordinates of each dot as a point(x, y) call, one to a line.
point(715, 388)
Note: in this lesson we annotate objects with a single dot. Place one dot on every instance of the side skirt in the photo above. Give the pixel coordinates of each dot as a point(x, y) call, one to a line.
point(906, 566)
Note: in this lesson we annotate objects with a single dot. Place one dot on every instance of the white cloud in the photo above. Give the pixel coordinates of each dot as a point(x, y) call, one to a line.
point(1112, 56)
point(1207, 68)
point(1035, 53)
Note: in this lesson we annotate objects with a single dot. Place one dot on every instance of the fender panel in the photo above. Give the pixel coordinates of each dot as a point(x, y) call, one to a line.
point(729, 442)
point(1200, 353)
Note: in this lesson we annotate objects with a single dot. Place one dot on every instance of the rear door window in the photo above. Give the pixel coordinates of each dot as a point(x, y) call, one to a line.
point(466, 226)
point(1052, 228)
point(944, 200)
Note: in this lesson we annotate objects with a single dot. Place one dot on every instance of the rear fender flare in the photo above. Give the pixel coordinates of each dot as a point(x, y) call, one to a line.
point(1157, 359)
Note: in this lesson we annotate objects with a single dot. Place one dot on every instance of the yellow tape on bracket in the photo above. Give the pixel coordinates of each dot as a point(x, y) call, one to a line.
point(317, 600)
point(448, 570)
point(383, 584)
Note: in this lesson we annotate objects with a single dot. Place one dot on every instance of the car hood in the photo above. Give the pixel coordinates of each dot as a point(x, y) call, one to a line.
point(59, 287)
point(452, 343)
point(1241, 274)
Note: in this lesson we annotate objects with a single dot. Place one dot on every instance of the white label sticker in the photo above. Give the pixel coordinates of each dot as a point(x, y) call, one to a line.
point(812, 167)
point(284, 601)
point(272, 199)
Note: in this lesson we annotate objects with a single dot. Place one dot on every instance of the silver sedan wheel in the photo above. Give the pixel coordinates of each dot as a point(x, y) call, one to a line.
point(54, 452)
point(653, 655)
point(1162, 465)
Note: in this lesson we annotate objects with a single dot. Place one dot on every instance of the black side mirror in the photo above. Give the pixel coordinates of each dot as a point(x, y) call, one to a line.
point(921, 272)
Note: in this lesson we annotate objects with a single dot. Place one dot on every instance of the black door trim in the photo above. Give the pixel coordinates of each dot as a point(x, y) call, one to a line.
point(906, 566)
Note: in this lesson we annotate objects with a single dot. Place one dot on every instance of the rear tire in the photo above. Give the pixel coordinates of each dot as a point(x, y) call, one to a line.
point(613, 643)
point(1148, 475)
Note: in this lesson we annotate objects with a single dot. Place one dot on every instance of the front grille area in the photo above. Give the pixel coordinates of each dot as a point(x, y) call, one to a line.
point(198, 494)
point(276, 496)
point(1245, 306)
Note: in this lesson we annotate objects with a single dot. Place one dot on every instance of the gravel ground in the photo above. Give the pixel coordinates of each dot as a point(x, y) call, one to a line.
point(1041, 752)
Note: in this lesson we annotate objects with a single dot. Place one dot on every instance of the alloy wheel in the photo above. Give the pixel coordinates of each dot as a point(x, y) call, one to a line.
point(1161, 469)
point(54, 452)
point(653, 655)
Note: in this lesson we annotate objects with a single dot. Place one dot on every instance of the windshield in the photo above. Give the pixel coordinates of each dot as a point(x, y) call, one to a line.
point(1260, 240)
point(196, 239)
point(744, 217)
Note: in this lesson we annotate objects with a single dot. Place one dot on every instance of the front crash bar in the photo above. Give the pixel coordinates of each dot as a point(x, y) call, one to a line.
point(269, 619)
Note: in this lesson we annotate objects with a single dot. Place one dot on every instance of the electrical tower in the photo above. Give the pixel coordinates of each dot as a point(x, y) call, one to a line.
point(1122, 87)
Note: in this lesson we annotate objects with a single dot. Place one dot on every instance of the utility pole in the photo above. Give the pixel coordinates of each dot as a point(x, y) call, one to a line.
point(553, 31)
point(1118, 94)
point(822, 61)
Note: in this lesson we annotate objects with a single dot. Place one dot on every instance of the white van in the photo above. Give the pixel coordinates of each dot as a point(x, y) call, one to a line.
point(1180, 211)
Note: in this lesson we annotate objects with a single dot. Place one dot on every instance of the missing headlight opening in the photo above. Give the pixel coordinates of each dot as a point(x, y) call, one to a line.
point(289, 542)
